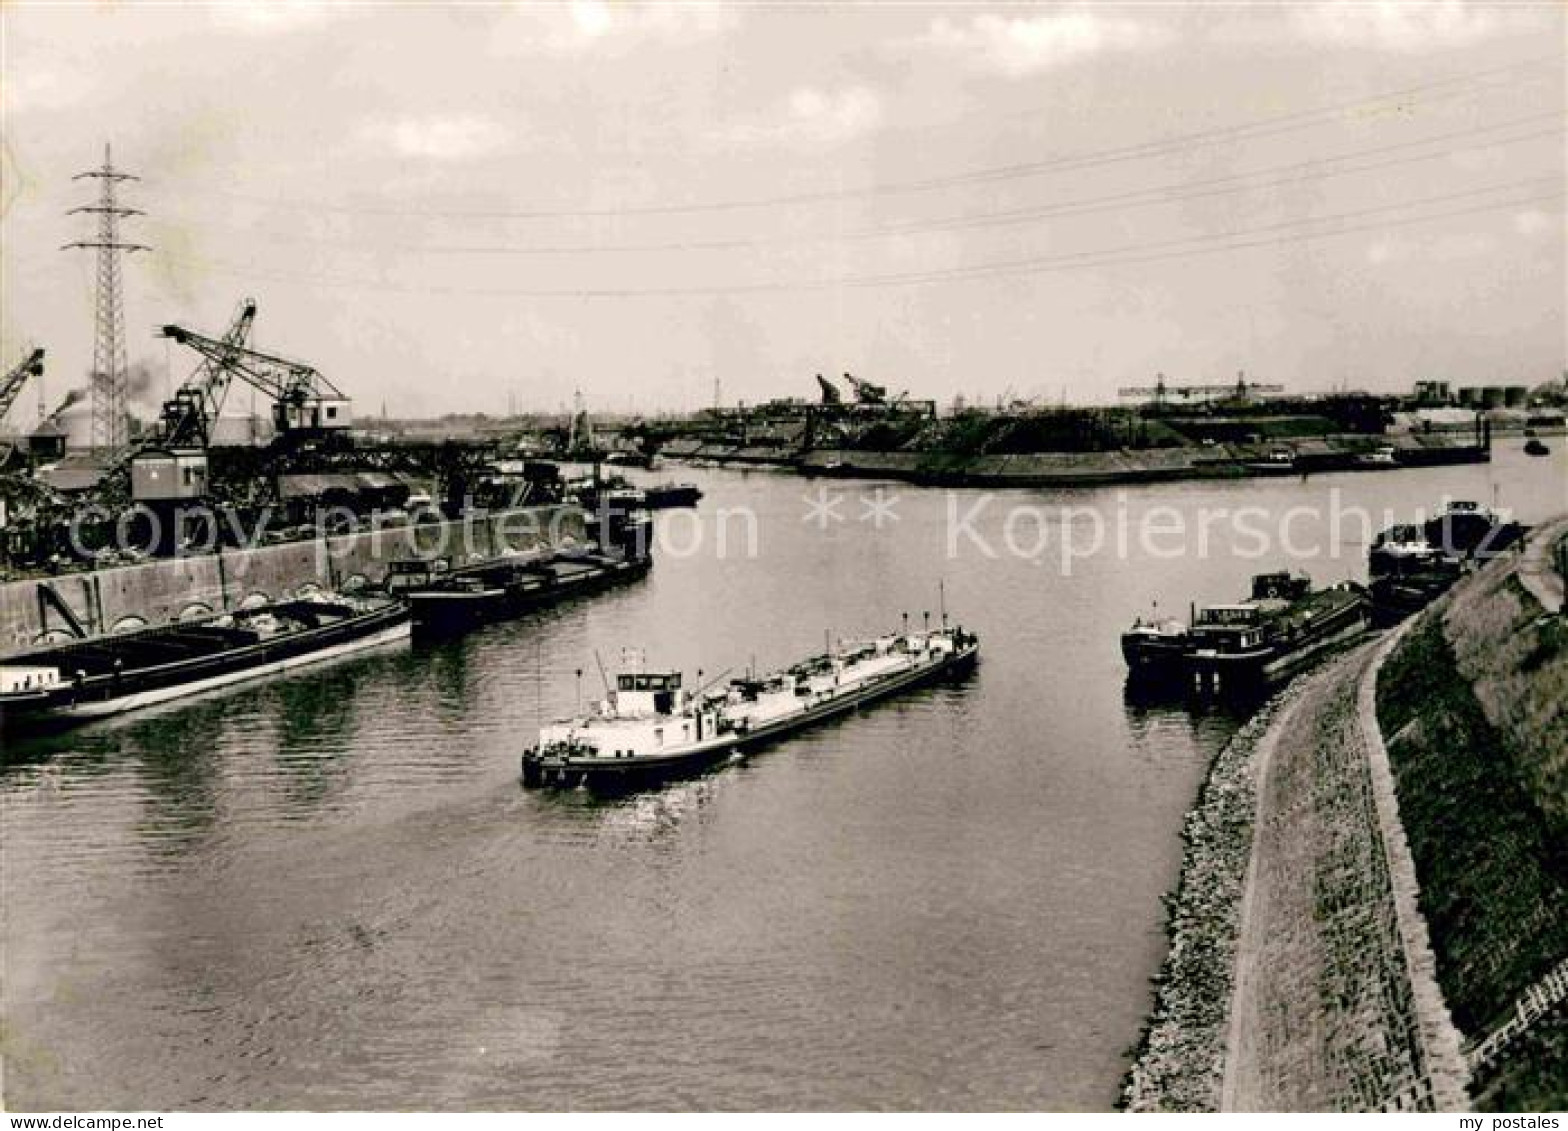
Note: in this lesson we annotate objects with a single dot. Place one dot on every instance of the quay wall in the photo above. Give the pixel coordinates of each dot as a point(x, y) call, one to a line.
point(163, 590)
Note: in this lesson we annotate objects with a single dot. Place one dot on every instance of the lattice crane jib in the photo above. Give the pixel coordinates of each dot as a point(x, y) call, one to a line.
point(11, 384)
point(189, 418)
point(303, 400)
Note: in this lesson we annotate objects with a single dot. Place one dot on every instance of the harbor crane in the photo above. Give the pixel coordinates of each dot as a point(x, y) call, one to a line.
point(865, 391)
point(11, 384)
point(188, 417)
point(304, 402)
point(830, 392)
point(1160, 392)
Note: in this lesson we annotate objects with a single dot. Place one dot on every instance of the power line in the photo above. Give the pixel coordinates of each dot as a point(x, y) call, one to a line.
point(1168, 249)
point(111, 371)
point(1026, 266)
point(1263, 127)
point(1169, 193)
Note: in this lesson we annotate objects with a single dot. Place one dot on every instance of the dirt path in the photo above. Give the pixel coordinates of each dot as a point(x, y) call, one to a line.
point(1536, 571)
point(1335, 1005)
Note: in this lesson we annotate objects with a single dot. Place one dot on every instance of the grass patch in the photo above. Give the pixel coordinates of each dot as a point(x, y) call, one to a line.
point(1494, 880)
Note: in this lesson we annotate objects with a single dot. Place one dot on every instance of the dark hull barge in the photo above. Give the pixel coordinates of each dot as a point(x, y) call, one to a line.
point(446, 602)
point(1287, 627)
point(1249, 648)
point(61, 685)
point(462, 601)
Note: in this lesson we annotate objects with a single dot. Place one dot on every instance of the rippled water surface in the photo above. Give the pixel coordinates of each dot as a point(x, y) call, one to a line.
point(329, 890)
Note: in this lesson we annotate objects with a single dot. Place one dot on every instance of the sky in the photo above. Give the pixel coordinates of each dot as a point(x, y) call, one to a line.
point(477, 207)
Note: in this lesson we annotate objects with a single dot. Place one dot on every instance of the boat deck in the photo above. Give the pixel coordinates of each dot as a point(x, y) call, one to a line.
point(175, 643)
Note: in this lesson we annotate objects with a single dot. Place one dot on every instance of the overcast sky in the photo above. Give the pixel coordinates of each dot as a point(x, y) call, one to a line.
point(451, 208)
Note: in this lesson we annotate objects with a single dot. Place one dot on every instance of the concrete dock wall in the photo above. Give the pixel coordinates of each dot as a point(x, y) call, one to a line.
point(156, 592)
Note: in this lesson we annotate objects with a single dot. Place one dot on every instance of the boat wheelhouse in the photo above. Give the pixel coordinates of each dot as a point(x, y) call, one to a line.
point(1285, 626)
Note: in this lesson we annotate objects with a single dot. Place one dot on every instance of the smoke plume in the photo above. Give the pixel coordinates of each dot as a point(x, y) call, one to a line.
point(72, 399)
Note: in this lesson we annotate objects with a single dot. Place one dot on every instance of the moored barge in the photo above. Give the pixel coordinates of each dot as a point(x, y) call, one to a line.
point(660, 496)
point(648, 728)
point(1412, 564)
point(63, 684)
point(446, 601)
point(1250, 646)
point(1284, 627)
point(463, 599)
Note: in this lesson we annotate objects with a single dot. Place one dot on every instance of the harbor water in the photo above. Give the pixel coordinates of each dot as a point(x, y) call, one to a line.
point(329, 890)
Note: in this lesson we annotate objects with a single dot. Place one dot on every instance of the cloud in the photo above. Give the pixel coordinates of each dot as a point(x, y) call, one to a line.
point(33, 88)
point(268, 17)
point(833, 116)
point(595, 26)
point(1441, 248)
point(439, 137)
point(1401, 25)
point(814, 116)
point(1023, 45)
point(1535, 222)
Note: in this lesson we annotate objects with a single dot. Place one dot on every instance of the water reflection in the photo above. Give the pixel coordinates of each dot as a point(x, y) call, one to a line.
point(320, 891)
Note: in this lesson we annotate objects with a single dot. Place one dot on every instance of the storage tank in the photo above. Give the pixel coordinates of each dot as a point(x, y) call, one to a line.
point(1470, 396)
point(1516, 396)
point(1492, 396)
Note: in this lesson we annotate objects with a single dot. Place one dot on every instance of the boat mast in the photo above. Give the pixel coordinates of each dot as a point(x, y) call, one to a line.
point(941, 597)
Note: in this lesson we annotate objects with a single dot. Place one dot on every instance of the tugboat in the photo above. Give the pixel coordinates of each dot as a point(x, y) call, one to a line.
point(1257, 644)
point(648, 728)
point(1154, 649)
point(64, 684)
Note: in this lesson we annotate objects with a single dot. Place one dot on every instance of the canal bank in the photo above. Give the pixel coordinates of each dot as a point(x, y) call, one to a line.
point(1116, 467)
point(34, 610)
point(951, 902)
point(1474, 704)
point(1373, 909)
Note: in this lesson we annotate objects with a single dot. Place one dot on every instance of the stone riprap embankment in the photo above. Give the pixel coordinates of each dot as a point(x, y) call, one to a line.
point(1180, 1061)
point(1386, 927)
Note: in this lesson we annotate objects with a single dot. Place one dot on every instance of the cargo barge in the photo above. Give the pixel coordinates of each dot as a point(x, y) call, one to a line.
point(648, 729)
point(1250, 646)
point(1410, 565)
point(58, 686)
point(664, 495)
point(454, 602)
point(1285, 627)
point(445, 601)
